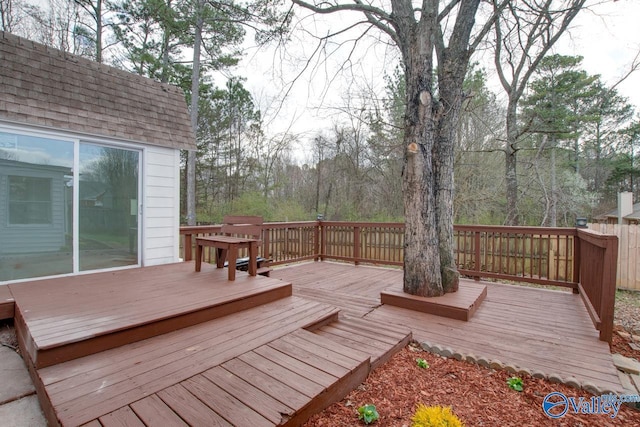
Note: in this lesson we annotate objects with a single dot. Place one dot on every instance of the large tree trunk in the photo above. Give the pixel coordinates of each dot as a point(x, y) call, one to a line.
point(422, 275)
point(429, 259)
point(510, 151)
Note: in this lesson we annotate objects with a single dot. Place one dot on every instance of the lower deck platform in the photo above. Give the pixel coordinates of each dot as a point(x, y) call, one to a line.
point(238, 353)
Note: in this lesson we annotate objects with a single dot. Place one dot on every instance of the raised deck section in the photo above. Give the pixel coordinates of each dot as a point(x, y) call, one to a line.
point(168, 346)
point(460, 305)
point(66, 318)
point(6, 303)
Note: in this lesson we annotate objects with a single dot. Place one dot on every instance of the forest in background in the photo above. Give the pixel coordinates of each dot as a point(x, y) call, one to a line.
point(577, 144)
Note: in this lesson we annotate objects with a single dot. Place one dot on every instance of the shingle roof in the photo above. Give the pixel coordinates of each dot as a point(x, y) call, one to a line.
point(47, 87)
point(634, 215)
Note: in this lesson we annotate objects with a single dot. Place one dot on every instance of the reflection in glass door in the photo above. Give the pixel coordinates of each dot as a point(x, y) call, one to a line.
point(36, 224)
point(107, 207)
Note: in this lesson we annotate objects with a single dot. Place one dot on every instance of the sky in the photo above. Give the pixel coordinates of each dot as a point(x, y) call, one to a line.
point(607, 36)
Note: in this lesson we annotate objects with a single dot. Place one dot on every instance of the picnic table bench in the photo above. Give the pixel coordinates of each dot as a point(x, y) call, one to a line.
point(235, 231)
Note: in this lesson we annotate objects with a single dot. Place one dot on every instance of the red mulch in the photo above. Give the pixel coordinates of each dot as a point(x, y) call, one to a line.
point(620, 344)
point(477, 395)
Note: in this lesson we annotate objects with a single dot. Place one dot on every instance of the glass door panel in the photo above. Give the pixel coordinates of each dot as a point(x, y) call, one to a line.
point(107, 209)
point(36, 206)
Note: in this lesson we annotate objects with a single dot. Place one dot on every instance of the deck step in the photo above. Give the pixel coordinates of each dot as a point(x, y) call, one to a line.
point(380, 340)
point(183, 362)
point(140, 304)
point(7, 304)
point(280, 383)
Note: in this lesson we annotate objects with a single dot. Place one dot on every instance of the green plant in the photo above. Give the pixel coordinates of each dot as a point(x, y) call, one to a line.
point(515, 383)
point(422, 363)
point(368, 413)
point(435, 416)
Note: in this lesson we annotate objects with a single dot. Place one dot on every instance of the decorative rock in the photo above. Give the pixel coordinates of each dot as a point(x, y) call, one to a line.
point(591, 388)
point(634, 346)
point(496, 364)
point(512, 369)
point(626, 364)
point(572, 382)
point(555, 378)
point(627, 383)
point(483, 362)
point(636, 381)
point(436, 349)
point(426, 346)
point(458, 356)
point(538, 374)
point(471, 358)
point(446, 352)
point(524, 372)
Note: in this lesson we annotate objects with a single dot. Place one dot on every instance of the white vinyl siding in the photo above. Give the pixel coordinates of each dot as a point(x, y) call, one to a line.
point(161, 206)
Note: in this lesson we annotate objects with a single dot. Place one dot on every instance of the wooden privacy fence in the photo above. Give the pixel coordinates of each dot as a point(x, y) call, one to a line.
point(577, 259)
point(628, 269)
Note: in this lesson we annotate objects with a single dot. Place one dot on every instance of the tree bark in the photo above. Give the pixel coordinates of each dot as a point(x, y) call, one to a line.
point(511, 161)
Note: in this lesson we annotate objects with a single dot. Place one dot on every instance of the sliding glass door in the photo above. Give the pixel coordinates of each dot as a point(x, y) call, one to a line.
point(108, 207)
point(66, 206)
point(36, 215)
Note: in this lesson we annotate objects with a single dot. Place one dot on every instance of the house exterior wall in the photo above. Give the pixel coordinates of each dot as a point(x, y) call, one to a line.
point(161, 206)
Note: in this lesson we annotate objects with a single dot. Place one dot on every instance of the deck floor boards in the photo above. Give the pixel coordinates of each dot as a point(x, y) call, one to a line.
point(538, 329)
point(277, 361)
point(75, 316)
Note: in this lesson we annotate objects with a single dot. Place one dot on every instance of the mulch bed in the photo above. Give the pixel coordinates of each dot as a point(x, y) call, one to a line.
point(478, 396)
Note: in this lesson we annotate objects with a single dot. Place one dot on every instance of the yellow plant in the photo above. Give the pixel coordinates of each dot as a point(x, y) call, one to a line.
point(435, 416)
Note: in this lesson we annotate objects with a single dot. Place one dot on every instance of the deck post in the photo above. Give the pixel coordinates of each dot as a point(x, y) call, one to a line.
point(576, 262)
point(356, 245)
point(265, 243)
point(607, 304)
point(187, 247)
point(477, 264)
point(316, 240)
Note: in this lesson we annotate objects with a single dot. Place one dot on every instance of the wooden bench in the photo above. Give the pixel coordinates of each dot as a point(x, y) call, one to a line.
point(238, 232)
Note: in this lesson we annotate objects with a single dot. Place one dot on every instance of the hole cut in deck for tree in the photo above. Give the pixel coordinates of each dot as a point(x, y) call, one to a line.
point(460, 305)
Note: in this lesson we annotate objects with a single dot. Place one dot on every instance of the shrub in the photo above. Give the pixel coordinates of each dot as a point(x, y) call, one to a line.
point(368, 414)
point(435, 416)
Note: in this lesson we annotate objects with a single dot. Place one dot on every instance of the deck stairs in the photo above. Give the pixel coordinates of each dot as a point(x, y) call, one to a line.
point(265, 359)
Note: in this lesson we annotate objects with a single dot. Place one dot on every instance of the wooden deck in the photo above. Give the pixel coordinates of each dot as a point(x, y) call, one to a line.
point(175, 347)
point(168, 346)
point(75, 316)
point(6, 303)
point(537, 329)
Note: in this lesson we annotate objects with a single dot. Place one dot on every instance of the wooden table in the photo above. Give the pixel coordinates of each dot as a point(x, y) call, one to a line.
point(227, 246)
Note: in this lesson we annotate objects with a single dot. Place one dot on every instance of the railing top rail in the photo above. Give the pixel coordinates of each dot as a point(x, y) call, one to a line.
point(290, 224)
point(362, 224)
point(596, 238)
point(566, 231)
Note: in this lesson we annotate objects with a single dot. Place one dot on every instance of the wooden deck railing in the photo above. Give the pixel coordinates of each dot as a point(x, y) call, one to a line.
point(598, 254)
point(569, 257)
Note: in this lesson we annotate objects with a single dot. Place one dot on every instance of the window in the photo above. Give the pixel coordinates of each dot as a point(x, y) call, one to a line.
point(29, 200)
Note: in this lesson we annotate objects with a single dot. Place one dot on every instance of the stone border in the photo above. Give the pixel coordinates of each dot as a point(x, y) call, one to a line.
point(498, 365)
